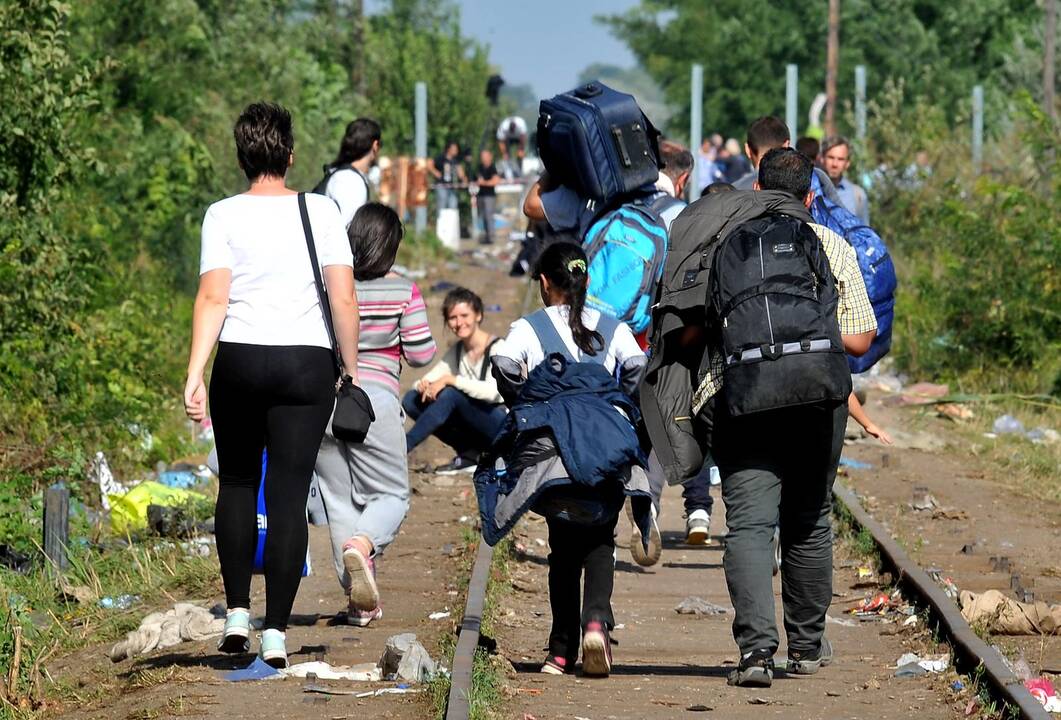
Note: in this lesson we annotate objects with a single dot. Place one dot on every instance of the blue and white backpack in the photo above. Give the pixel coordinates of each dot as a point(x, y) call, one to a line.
point(626, 248)
point(876, 265)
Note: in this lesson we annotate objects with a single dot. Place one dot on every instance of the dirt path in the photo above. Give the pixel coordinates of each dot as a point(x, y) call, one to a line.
point(418, 575)
point(670, 666)
point(980, 515)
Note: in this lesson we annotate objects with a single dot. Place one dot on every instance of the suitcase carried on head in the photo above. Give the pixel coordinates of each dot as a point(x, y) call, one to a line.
point(596, 141)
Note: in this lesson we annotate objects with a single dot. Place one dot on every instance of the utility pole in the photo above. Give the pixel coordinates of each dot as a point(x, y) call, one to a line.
point(1049, 50)
point(832, 63)
point(420, 97)
point(860, 102)
point(791, 101)
point(696, 126)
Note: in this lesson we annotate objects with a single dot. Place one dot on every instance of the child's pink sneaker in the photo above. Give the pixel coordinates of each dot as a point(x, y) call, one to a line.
point(596, 650)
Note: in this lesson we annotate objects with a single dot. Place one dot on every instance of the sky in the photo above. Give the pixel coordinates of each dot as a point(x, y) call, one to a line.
point(545, 43)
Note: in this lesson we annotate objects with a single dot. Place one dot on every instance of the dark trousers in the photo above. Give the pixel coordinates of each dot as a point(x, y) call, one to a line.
point(467, 425)
point(574, 549)
point(777, 469)
point(281, 398)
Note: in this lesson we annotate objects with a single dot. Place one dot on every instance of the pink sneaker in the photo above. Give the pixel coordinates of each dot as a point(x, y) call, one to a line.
point(556, 665)
point(596, 650)
point(364, 594)
point(362, 618)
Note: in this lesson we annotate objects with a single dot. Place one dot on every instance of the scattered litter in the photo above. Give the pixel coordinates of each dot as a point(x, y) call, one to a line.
point(493, 308)
point(949, 588)
point(1043, 691)
point(147, 441)
point(760, 701)
point(879, 604)
point(406, 659)
point(438, 615)
point(539, 542)
point(854, 464)
point(407, 273)
point(866, 576)
point(949, 514)
point(1005, 616)
point(913, 665)
point(387, 691)
point(257, 670)
point(698, 606)
point(129, 511)
point(843, 622)
point(443, 286)
point(911, 621)
point(955, 411)
point(922, 394)
point(122, 602)
point(699, 708)
point(1008, 425)
point(924, 500)
point(99, 473)
point(328, 690)
point(529, 691)
point(972, 707)
point(206, 432)
point(1043, 436)
point(182, 479)
point(366, 672)
point(165, 629)
point(957, 686)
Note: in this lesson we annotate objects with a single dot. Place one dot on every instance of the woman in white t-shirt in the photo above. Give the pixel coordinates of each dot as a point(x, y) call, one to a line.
point(347, 176)
point(273, 378)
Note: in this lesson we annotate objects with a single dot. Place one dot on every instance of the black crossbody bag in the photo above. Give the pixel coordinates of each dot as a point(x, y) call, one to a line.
point(353, 410)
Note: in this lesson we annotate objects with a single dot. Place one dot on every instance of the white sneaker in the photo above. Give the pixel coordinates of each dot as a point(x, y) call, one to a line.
point(698, 528)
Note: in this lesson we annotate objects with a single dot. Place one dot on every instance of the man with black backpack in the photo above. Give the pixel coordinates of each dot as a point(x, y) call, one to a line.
point(346, 178)
point(786, 300)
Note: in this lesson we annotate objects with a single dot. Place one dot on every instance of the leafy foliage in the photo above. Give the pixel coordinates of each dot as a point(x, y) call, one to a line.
point(940, 48)
point(117, 122)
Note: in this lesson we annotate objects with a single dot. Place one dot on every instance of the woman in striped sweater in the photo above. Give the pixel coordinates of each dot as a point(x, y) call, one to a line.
point(365, 487)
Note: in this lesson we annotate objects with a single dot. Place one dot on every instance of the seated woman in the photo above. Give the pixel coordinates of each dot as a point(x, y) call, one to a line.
point(457, 400)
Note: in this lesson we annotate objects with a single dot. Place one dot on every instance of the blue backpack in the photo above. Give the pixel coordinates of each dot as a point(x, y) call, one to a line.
point(876, 265)
point(626, 248)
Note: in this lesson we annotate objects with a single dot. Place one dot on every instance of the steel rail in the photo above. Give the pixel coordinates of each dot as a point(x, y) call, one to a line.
point(973, 650)
point(460, 689)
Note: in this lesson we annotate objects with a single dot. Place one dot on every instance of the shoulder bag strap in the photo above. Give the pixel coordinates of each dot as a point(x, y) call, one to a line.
point(322, 293)
point(486, 359)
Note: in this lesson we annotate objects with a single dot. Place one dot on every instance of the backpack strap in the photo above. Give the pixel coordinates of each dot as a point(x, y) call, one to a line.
point(486, 359)
point(550, 339)
point(606, 326)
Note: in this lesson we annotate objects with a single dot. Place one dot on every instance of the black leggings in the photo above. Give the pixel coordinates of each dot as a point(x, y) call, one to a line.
point(576, 550)
point(280, 398)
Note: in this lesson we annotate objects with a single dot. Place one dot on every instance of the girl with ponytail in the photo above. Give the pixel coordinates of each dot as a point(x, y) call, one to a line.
point(568, 451)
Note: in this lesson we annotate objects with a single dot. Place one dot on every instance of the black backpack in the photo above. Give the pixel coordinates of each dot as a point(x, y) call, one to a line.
point(773, 293)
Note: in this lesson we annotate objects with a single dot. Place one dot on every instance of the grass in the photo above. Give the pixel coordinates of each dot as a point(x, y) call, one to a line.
point(57, 613)
point(487, 697)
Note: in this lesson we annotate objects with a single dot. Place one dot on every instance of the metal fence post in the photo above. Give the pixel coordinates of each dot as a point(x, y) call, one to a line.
point(696, 127)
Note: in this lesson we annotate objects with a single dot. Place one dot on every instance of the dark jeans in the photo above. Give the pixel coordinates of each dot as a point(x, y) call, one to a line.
point(696, 491)
point(280, 397)
point(778, 468)
point(574, 548)
point(468, 426)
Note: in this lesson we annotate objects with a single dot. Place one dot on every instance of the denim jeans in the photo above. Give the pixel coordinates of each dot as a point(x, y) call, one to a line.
point(465, 424)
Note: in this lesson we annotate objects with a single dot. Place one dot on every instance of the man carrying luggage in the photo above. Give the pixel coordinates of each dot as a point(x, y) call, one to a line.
point(778, 464)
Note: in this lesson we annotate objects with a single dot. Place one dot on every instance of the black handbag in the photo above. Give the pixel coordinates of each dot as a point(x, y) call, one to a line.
point(353, 410)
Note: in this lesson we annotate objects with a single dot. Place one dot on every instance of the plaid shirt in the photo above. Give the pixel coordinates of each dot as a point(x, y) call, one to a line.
point(854, 312)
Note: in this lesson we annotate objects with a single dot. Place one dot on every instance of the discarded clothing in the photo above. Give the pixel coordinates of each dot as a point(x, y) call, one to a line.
point(698, 606)
point(1005, 616)
point(366, 672)
point(165, 629)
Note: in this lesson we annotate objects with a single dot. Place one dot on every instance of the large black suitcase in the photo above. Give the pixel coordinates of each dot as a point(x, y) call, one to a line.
point(596, 141)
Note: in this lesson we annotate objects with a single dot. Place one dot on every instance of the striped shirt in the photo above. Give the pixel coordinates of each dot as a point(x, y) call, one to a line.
point(393, 326)
point(854, 312)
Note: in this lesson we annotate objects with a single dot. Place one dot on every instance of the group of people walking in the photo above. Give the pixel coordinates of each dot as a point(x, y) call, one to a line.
point(549, 417)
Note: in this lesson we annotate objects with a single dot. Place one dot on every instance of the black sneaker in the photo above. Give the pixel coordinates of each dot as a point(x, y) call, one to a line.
point(458, 465)
point(756, 669)
point(805, 663)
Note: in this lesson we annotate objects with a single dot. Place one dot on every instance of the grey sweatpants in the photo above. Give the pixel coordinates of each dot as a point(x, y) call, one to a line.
point(486, 205)
point(365, 488)
point(777, 469)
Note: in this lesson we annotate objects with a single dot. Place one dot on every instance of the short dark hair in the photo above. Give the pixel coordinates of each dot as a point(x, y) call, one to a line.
point(766, 133)
point(375, 233)
point(787, 170)
point(718, 187)
point(357, 141)
point(264, 140)
point(835, 141)
point(676, 158)
point(808, 147)
point(459, 295)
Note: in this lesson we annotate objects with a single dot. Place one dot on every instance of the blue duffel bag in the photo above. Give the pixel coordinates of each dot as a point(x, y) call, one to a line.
point(597, 142)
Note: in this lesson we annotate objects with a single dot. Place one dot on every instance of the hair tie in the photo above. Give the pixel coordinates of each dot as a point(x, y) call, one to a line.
point(576, 264)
